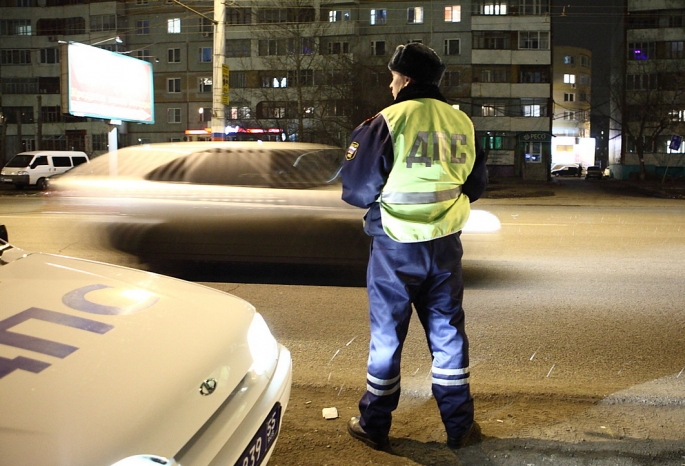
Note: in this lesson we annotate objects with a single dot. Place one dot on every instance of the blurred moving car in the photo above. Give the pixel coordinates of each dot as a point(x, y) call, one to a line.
point(594, 173)
point(266, 202)
point(104, 365)
point(566, 170)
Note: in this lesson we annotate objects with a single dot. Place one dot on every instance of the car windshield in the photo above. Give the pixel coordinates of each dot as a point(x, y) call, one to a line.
point(20, 161)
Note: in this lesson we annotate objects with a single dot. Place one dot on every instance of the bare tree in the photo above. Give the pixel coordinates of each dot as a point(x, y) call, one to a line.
point(307, 74)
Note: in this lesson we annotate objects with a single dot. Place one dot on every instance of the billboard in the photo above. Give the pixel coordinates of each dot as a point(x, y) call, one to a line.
point(101, 84)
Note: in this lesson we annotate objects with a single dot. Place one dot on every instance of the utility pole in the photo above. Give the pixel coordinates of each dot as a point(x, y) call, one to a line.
point(218, 65)
point(39, 123)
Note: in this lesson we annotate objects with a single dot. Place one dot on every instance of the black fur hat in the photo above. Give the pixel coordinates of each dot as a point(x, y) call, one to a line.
point(418, 62)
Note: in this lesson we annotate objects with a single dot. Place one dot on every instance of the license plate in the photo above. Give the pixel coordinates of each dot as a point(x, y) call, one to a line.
point(7, 180)
point(263, 439)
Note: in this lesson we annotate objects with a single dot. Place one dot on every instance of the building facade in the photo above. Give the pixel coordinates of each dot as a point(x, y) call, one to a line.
point(648, 109)
point(571, 91)
point(305, 71)
point(30, 91)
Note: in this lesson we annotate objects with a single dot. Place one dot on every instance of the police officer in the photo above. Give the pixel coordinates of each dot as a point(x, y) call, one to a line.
point(416, 167)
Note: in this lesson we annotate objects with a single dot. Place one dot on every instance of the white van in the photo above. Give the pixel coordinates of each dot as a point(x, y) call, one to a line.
point(35, 167)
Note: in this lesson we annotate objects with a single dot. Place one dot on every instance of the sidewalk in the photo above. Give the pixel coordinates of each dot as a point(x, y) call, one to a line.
point(580, 190)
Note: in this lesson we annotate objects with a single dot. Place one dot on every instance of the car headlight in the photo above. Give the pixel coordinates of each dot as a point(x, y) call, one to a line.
point(263, 346)
point(22, 172)
point(146, 460)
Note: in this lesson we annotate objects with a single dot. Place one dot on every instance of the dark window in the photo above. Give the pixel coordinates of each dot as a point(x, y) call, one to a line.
point(15, 27)
point(50, 55)
point(534, 74)
point(286, 15)
point(15, 57)
point(643, 19)
point(238, 16)
point(78, 160)
point(238, 48)
point(60, 26)
point(19, 161)
point(50, 114)
point(13, 114)
point(61, 161)
point(48, 85)
point(41, 160)
point(493, 40)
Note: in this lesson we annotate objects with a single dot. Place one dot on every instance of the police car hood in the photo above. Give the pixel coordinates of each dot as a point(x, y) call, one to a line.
point(100, 362)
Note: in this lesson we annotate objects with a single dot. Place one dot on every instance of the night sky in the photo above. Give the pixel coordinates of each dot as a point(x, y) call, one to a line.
point(594, 25)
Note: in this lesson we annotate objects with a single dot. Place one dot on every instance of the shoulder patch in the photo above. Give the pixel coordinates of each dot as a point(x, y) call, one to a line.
point(370, 118)
point(352, 151)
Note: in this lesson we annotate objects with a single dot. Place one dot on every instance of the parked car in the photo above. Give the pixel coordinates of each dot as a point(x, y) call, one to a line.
point(36, 167)
point(566, 170)
point(104, 365)
point(226, 201)
point(594, 173)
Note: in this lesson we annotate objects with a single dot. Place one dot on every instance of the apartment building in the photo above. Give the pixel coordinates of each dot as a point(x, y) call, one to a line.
point(298, 70)
point(648, 112)
point(571, 91)
point(30, 94)
point(571, 94)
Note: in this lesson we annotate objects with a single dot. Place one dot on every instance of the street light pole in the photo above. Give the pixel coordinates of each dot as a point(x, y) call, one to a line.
point(218, 63)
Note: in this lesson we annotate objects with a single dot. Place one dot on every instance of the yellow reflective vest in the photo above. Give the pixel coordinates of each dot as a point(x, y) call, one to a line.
point(434, 151)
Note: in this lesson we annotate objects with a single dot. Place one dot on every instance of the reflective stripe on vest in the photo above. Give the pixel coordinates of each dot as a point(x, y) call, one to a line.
point(421, 198)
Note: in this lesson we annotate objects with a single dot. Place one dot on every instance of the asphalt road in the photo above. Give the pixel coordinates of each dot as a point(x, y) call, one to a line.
point(574, 313)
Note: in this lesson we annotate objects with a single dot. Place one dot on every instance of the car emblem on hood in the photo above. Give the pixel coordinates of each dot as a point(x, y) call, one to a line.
point(207, 387)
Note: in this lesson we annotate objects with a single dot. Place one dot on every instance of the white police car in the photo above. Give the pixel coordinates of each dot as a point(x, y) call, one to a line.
point(104, 365)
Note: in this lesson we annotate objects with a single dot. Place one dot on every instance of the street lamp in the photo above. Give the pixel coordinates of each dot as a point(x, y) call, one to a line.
point(117, 39)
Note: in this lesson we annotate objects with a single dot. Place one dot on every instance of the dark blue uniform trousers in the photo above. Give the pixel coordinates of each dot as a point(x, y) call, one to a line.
point(429, 276)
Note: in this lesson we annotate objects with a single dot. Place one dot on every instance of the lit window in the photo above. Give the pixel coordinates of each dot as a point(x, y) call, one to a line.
point(378, 16)
point(493, 110)
point(338, 15)
point(453, 14)
point(205, 114)
point(495, 8)
point(531, 110)
point(533, 151)
point(204, 85)
point(174, 26)
point(415, 15)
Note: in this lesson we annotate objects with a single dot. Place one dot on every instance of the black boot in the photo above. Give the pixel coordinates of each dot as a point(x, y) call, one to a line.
point(471, 437)
point(358, 432)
